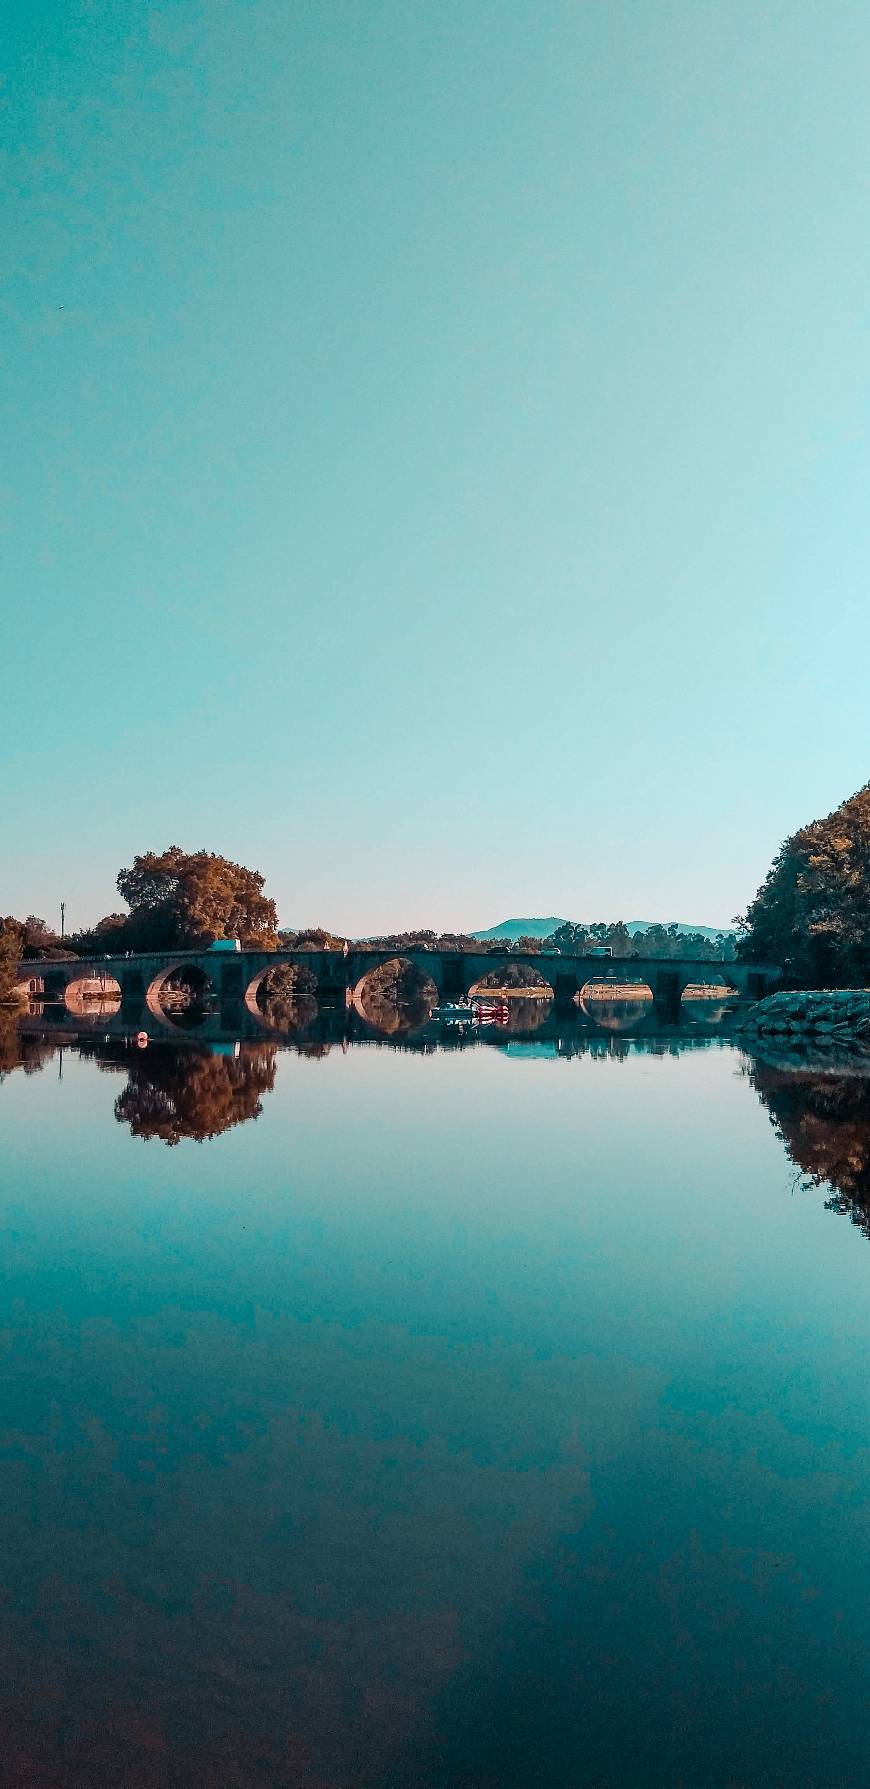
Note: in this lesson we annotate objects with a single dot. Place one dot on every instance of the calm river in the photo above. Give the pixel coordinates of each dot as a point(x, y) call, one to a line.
point(486, 1418)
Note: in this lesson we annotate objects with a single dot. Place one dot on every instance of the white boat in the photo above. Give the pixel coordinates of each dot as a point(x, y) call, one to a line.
point(455, 1012)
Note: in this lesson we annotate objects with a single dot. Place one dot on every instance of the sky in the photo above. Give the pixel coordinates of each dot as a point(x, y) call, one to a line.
point(435, 449)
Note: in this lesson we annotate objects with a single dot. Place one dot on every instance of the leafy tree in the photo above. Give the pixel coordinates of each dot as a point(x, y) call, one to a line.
point(39, 935)
point(428, 940)
point(812, 912)
point(514, 975)
point(620, 940)
point(313, 938)
point(10, 956)
point(656, 941)
point(110, 936)
point(184, 899)
point(570, 938)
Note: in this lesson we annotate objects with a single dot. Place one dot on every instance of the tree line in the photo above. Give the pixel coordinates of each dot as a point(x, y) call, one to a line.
point(656, 941)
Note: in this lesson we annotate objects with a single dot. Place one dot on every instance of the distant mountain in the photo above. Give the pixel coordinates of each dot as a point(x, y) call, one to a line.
point(542, 928)
point(521, 928)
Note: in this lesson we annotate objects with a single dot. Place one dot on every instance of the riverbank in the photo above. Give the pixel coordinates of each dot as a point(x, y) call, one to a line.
point(839, 1014)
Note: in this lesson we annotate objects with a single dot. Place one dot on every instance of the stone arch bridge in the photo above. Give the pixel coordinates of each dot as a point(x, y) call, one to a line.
point(231, 979)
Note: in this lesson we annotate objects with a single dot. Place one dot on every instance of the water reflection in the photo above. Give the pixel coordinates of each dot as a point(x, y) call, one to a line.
point(823, 1119)
point(20, 1048)
point(191, 1089)
point(617, 1015)
point(395, 1003)
point(396, 999)
point(173, 1093)
point(200, 1086)
point(468, 1424)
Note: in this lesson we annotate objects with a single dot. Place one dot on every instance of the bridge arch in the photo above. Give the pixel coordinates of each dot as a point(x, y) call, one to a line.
point(715, 987)
point(291, 980)
point(516, 977)
point(89, 986)
point(616, 1005)
point(707, 1001)
point(201, 985)
point(395, 996)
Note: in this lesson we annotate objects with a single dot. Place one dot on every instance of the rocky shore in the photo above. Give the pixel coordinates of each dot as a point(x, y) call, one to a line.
point(841, 1015)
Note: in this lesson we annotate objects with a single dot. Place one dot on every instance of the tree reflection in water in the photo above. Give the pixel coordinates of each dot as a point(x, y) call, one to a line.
point(20, 1050)
point(524, 1015)
point(286, 997)
point(173, 1093)
point(824, 1121)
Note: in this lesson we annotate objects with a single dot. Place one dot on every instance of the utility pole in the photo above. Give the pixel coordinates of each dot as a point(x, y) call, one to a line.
point(62, 916)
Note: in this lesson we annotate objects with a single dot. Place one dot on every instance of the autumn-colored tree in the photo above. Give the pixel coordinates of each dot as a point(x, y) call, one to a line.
point(185, 899)
point(10, 956)
point(812, 912)
point(39, 936)
point(313, 938)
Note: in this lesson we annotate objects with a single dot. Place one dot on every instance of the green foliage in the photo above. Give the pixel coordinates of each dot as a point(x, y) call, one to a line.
point(427, 940)
point(109, 937)
point(313, 938)
point(513, 975)
point(656, 941)
point(812, 912)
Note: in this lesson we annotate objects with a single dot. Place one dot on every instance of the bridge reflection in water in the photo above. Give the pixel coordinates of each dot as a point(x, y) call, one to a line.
point(305, 1022)
point(230, 988)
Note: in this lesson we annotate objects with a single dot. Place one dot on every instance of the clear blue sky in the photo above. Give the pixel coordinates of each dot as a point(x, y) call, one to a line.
point(436, 448)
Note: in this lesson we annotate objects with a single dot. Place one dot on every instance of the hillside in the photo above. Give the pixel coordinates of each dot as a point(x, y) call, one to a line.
point(542, 928)
point(520, 928)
